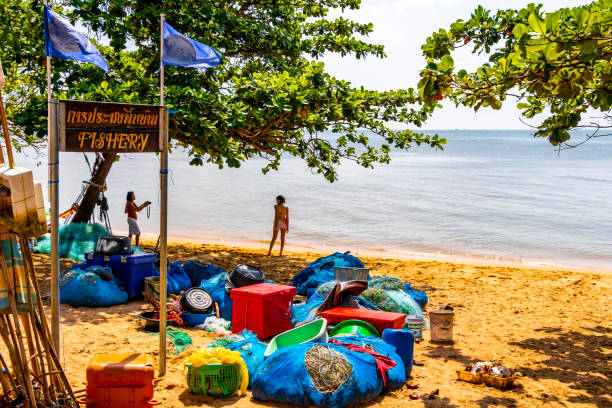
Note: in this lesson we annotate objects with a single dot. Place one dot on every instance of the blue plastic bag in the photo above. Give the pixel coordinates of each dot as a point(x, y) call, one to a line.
point(283, 377)
point(178, 280)
point(91, 287)
point(420, 297)
point(198, 271)
point(215, 286)
point(321, 271)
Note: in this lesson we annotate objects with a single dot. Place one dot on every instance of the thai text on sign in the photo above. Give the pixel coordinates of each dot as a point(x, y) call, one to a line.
point(110, 127)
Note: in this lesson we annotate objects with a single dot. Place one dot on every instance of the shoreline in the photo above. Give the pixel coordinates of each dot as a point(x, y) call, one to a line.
point(300, 248)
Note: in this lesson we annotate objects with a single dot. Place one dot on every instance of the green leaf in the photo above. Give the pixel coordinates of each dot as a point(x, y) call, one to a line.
point(446, 63)
point(537, 24)
point(588, 48)
point(519, 30)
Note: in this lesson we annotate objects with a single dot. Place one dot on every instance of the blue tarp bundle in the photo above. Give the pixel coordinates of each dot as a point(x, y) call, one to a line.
point(178, 280)
point(321, 271)
point(215, 286)
point(91, 287)
point(420, 297)
point(297, 388)
point(199, 271)
point(251, 350)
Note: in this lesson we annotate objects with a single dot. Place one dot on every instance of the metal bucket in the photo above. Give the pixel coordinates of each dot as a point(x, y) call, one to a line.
point(151, 287)
point(441, 325)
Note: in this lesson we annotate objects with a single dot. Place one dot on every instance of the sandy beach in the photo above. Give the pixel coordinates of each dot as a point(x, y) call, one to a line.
point(553, 325)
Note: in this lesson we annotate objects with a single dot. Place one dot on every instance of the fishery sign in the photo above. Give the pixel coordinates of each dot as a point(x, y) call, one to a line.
point(110, 127)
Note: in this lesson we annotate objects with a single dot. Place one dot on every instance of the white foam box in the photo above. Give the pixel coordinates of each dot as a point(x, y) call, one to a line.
point(40, 204)
point(20, 182)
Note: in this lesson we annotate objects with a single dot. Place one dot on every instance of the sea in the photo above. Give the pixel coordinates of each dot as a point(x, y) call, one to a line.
point(492, 195)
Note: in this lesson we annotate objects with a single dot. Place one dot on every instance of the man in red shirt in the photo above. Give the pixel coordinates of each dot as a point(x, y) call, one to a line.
point(131, 209)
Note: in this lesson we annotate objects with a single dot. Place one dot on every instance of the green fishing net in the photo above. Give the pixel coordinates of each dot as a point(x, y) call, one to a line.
point(325, 288)
point(386, 282)
point(180, 339)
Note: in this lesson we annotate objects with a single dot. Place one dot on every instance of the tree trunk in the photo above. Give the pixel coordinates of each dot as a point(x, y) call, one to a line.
point(88, 203)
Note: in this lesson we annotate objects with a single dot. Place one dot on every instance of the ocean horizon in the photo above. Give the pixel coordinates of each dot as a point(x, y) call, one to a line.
point(491, 194)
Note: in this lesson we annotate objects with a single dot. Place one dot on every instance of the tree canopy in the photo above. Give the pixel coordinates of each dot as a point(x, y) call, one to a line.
point(558, 60)
point(269, 96)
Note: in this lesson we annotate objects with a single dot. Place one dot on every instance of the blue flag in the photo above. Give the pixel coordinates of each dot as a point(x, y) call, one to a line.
point(185, 52)
point(62, 40)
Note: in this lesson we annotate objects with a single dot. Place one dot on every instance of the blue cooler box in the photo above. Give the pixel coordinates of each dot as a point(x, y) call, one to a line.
point(129, 270)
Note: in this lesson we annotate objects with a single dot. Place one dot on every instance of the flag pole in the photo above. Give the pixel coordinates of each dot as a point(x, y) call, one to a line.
point(163, 224)
point(53, 156)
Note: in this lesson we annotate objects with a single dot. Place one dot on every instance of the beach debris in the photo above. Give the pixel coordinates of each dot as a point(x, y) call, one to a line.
point(489, 373)
point(216, 324)
point(412, 386)
point(414, 396)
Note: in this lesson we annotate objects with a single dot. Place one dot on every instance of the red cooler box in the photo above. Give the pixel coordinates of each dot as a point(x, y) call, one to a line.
point(377, 318)
point(264, 309)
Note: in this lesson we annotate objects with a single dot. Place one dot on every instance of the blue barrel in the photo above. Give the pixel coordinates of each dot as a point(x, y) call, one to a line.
point(403, 340)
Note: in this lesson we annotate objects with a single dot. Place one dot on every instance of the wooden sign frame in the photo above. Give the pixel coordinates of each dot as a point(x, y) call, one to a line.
point(86, 126)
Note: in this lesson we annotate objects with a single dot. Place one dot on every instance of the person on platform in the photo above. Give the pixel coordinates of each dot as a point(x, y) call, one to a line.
point(281, 223)
point(132, 210)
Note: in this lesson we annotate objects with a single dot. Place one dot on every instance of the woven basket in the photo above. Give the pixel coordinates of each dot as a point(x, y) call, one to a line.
point(497, 382)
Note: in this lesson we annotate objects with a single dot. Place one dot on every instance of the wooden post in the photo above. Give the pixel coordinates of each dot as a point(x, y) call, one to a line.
point(163, 224)
point(53, 155)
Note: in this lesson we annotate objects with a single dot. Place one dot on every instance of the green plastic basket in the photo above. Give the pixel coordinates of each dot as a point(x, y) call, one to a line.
point(217, 380)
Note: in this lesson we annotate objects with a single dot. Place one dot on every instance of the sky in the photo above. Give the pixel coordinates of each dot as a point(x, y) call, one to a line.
point(402, 27)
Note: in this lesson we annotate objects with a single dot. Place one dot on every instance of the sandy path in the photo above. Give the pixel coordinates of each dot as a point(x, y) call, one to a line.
point(553, 325)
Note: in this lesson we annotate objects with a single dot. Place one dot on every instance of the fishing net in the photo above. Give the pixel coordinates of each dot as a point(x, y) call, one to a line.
point(248, 345)
point(380, 298)
point(75, 240)
point(197, 271)
point(326, 288)
point(179, 338)
point(321, 375)
point(92, 287)
point(327, 368)
point(387, 282)
point(215, 286)
point(321, 271)
point(177, 279)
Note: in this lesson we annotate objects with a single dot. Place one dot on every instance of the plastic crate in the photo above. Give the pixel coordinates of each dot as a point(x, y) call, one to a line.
point(129, 270)
point(344, 274)
point(217, 380)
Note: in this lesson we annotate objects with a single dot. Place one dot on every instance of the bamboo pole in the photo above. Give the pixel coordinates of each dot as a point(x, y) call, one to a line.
point(17, 329)
point(163, 225)
point(7, 138)
point(53, 156)
point(15, 360)
point(45, 333)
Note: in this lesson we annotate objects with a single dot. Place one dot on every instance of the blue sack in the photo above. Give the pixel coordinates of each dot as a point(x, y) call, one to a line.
point(284, 377)
point(321, 271)
point(91, 287)
point(396, 377)
point(215, 286)
point(251, 350)
point(197, 271)
point(420, 297)
point(178, 280)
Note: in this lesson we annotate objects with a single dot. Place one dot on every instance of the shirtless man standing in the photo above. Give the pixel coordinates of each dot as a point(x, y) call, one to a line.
point(281, 222)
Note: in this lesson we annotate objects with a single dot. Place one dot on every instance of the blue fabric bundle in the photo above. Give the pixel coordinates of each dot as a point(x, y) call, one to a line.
point(284, 378)
point(420, 297)
point(91, 287)
point(197, 271)
point(178, 280)
point(321, 271)
point(251, 350)
point(396, 377)
point(215, 286)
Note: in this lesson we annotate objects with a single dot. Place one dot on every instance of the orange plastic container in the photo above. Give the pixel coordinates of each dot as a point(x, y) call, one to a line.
point(120, 380)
